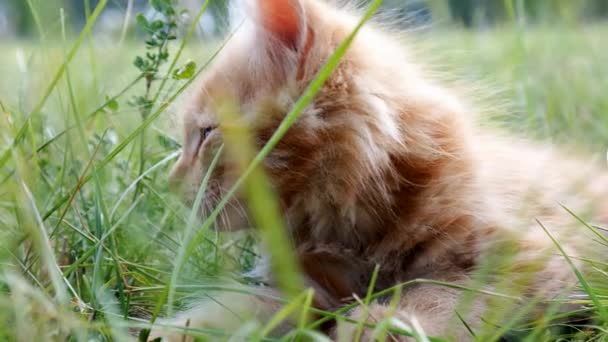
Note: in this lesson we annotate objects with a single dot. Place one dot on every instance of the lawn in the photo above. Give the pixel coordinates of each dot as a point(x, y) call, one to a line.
point(89, 232)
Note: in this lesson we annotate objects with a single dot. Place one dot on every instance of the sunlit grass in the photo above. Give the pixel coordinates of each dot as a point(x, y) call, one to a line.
point(82, 257)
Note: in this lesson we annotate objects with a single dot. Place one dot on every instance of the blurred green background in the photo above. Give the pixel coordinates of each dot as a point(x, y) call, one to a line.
point(15, 18)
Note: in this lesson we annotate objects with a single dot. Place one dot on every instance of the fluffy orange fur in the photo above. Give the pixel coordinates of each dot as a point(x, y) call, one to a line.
point(384, 167)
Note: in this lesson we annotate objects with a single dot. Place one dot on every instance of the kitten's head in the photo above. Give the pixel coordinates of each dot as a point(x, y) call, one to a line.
point(336, 165)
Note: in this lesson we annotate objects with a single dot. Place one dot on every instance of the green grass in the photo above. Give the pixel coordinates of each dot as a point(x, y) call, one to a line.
point(549, 81)
point(83, 254)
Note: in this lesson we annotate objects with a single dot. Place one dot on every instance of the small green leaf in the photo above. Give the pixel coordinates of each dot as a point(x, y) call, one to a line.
point(140, 63)
point(156, 4)
point(161, 5)
point(112, 104)
point(157, 25)
point(142, 22)
point(152, 42)
point(186, 72)
point(143, 335)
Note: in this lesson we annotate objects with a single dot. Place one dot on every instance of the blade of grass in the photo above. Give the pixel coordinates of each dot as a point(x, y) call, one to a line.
point(189, 232)
point(466, 325)
point(100, 242)
point(91, 50)
point(73, 195)
point(261, 200)
point(44, 246)
point(594, 230)
point(306, 308)
point(79, 185)
point(282, 315)
point(599, 307)
point(367, 301)
point(143, 175)
point(126, 22)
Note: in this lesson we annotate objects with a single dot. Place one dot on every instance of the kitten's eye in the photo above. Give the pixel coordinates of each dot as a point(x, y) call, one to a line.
point(200, 139)
point(205, 131)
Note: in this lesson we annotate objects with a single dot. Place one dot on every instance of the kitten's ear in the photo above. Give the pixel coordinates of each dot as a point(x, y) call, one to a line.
point(284, 20)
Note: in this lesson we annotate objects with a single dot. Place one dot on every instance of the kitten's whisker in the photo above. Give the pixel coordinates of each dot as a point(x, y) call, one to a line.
point(223, 217)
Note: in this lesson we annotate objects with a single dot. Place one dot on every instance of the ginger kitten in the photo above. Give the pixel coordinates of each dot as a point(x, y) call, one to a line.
point(384, 167)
